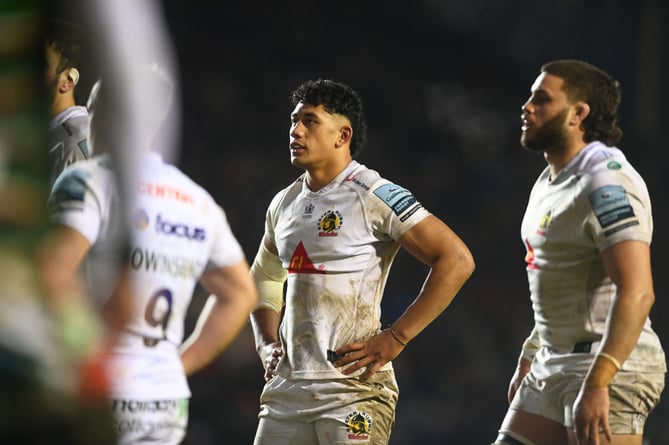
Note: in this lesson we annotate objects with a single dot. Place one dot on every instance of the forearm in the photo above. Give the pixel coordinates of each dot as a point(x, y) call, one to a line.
point(628, 266)
point(628, 316)
point(219, 324)
point(440, 288)
point(265, 325)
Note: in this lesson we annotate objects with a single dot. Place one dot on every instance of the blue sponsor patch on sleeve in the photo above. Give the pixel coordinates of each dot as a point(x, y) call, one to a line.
point(610, 205)
point(397, 198)
point(69, 188)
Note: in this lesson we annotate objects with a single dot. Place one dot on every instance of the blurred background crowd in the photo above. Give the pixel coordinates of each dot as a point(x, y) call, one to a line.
point(442, 83)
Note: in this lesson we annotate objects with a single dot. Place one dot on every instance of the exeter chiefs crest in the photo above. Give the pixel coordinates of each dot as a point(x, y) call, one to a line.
point(329, 223)
point(544, 222)
point(359, 425)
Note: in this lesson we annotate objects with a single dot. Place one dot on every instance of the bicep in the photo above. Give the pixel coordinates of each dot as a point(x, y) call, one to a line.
point(61, 256)
point(67, 246)
point(268, 241)
point(431, 240)
point(628, 265)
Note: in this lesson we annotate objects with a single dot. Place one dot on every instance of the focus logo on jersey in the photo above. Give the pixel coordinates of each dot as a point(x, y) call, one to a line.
point(140, 219)
point(179, 230)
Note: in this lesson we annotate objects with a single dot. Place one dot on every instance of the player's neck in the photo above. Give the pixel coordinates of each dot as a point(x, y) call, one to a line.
point(60, 103)
point(559, 157)
point(319, 177)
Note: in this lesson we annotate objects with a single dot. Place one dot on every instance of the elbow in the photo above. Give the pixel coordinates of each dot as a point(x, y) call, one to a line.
point(458, 264)
point(252, 298)
point(467, 264)
point(648, 300)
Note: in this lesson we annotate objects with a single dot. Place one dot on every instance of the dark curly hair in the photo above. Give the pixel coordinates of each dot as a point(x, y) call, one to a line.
point(587, 83)
point(335, 98)
point(68, 40)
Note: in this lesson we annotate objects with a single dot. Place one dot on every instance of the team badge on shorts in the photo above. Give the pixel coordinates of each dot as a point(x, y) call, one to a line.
point(359, 425)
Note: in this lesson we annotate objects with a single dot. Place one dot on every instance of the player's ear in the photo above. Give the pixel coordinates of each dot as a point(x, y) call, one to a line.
point(581, 111)
point(69, 80)
point(345, 135)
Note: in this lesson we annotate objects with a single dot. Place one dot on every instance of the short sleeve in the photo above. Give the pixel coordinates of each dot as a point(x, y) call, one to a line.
point(619, 208)
point(76, 203)
point(393, 209)
point(226, 250)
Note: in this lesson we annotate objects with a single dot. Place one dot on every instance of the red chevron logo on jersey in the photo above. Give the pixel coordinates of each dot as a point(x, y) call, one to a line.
point(529, 256)
point(301, 263)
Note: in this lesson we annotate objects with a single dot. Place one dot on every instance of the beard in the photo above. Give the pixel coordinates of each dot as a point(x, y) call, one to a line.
point(551, 134)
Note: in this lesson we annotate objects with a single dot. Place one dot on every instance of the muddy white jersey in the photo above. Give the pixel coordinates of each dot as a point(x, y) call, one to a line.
point(68, 139)
point(177, 232)
point(597, 200)
point(337, 244)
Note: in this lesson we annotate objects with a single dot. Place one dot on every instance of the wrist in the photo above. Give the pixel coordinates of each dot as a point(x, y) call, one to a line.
point(604, 367)
point(524, 364)
point(399, 339)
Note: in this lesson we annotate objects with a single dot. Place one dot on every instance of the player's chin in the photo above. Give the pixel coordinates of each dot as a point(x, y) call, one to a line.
point(528, 143)
point(298, 160)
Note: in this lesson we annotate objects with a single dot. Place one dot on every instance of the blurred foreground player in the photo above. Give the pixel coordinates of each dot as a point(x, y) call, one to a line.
point(178, 236)
point(69, 77)
point(43, 399)
point(593, 368)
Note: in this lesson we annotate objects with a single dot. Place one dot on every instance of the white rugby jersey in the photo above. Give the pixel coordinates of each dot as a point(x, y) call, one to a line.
point(68, 139)
point(338, 245)
point(177, 232)
point(596, 201)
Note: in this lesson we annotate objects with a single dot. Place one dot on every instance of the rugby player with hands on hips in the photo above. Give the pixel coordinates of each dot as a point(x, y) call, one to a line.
point(330, 239)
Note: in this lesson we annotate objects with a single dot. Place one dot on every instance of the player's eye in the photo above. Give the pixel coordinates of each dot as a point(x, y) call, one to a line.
point(540, 99)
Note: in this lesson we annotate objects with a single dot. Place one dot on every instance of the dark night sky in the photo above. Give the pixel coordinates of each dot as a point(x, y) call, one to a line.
point(442, 83)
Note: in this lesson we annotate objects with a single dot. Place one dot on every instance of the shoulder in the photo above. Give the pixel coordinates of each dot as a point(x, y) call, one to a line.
point(155, 169)
point(379, 189)
point(598, 156)
point(385, 198)
point(603, 165)
point(370, 185)
point(362, 179)
point(94, 167)
point(74, 119)
point(288, 193)
point(80, 178)
point(77, 114)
